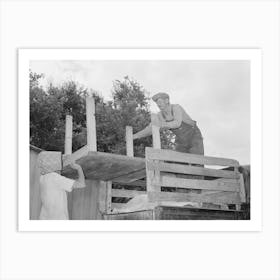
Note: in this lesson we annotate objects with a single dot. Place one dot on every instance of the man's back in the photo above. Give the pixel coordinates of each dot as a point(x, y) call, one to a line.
point(53, 189)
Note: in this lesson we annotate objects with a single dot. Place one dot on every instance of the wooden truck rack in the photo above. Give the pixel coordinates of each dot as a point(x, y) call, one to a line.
point(165, 177)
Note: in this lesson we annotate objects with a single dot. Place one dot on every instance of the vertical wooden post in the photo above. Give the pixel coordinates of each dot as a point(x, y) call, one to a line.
point(91, 124)
point(102, 193)
point(154, 175)
point(129, 141)
point(155, 132)
point(109, 197)
point(68, 135)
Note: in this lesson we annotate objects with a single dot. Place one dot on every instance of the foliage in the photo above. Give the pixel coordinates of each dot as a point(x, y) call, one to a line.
point(129, 106)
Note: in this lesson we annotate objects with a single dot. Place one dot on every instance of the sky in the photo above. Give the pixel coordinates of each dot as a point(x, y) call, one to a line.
point(216, 94)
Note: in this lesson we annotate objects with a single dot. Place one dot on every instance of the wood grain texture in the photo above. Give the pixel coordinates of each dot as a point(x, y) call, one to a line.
point(103, 166)
point(179, 213)
point(129, 141)
point(130, 177)
point(155, 131)
point(137, 215)
point(168, 155)
point(109, 197)
point(91, 124)
point(193, 170)
point(102, 192)
point(208, 197)
point(227, 185)
point(137, 183)
point(242, 189)
point(116, 205)
point(85, 202)
point(68, 135)
point(34, 187)
point(68, 159)
point(126, 193)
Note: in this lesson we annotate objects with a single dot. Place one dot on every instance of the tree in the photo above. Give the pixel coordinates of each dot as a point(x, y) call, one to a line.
point(129, 106)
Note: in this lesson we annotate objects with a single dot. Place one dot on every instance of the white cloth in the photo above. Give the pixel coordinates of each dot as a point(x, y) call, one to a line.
point(141, 203)
point(49, 162)
point(53, 189)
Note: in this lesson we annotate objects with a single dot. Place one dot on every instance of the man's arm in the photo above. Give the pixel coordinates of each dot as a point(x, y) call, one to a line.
point(178, 118)
point(80, 182)
point(147, 131)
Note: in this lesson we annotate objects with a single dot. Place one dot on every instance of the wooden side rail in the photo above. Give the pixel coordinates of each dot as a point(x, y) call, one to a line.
point(172, 176)
point(113, 197)
point(173, 156)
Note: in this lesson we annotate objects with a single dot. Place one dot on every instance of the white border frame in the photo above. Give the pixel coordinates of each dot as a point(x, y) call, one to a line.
point(253, 55)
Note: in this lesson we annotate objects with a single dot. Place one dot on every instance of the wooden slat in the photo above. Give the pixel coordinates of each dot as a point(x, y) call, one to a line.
point(155, 131)
point(67, 159)
point(91, 124)
point(105, 166)
point(109, 197)
point(193, 170)
point(168, 155)
point(242, 189)
point(118, 205)
point(129, 141)
point(210, 197)
point(68, 135)
point(130, 177)
point(227, 185)
point(102, 192)
point(126, 193)
point(138, 183)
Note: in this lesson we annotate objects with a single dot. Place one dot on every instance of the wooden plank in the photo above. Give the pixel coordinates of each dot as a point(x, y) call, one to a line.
point(130, 177)
point(109, 197)
point(242, 189)
point(87, 201)
point(68, 159)
point(151, 176)
point(105, 166)
point(227, 185)
point(117, 205)
point(91, 124)
point(138, 183)
point(209, 197)
point(68, 135)
point(169, 155)
point(126, 193)
point(129, 141)
point(193, 170)
point(185, 213)
point(34, 187)
point(155, 131)
point(136, 215)
point(102, 192)
point(69, 203)
point(77, 205)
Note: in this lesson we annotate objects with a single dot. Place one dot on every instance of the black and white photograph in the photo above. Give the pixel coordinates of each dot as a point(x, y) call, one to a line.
point(140, 139)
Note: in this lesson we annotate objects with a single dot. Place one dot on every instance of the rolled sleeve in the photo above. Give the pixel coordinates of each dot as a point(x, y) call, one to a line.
point(64, 183)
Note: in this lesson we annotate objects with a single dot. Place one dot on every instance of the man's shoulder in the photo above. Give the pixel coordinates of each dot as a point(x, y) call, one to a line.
point(177, 107)
point(51, 176)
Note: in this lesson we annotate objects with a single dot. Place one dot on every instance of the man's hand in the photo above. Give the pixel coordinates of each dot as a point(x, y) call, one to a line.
point(75, 166)
point(135, 136)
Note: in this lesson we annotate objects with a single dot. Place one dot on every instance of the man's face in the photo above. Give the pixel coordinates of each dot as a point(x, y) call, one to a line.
point(162, 103)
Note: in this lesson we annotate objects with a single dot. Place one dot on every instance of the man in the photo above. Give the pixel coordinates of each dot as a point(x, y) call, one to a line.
point(174, 117)
point(53, 186)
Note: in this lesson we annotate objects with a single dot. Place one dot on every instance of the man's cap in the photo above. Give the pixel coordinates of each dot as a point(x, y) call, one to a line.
point(160, 95)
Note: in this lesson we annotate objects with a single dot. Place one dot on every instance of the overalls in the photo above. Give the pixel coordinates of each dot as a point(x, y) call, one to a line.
point(188, 138)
